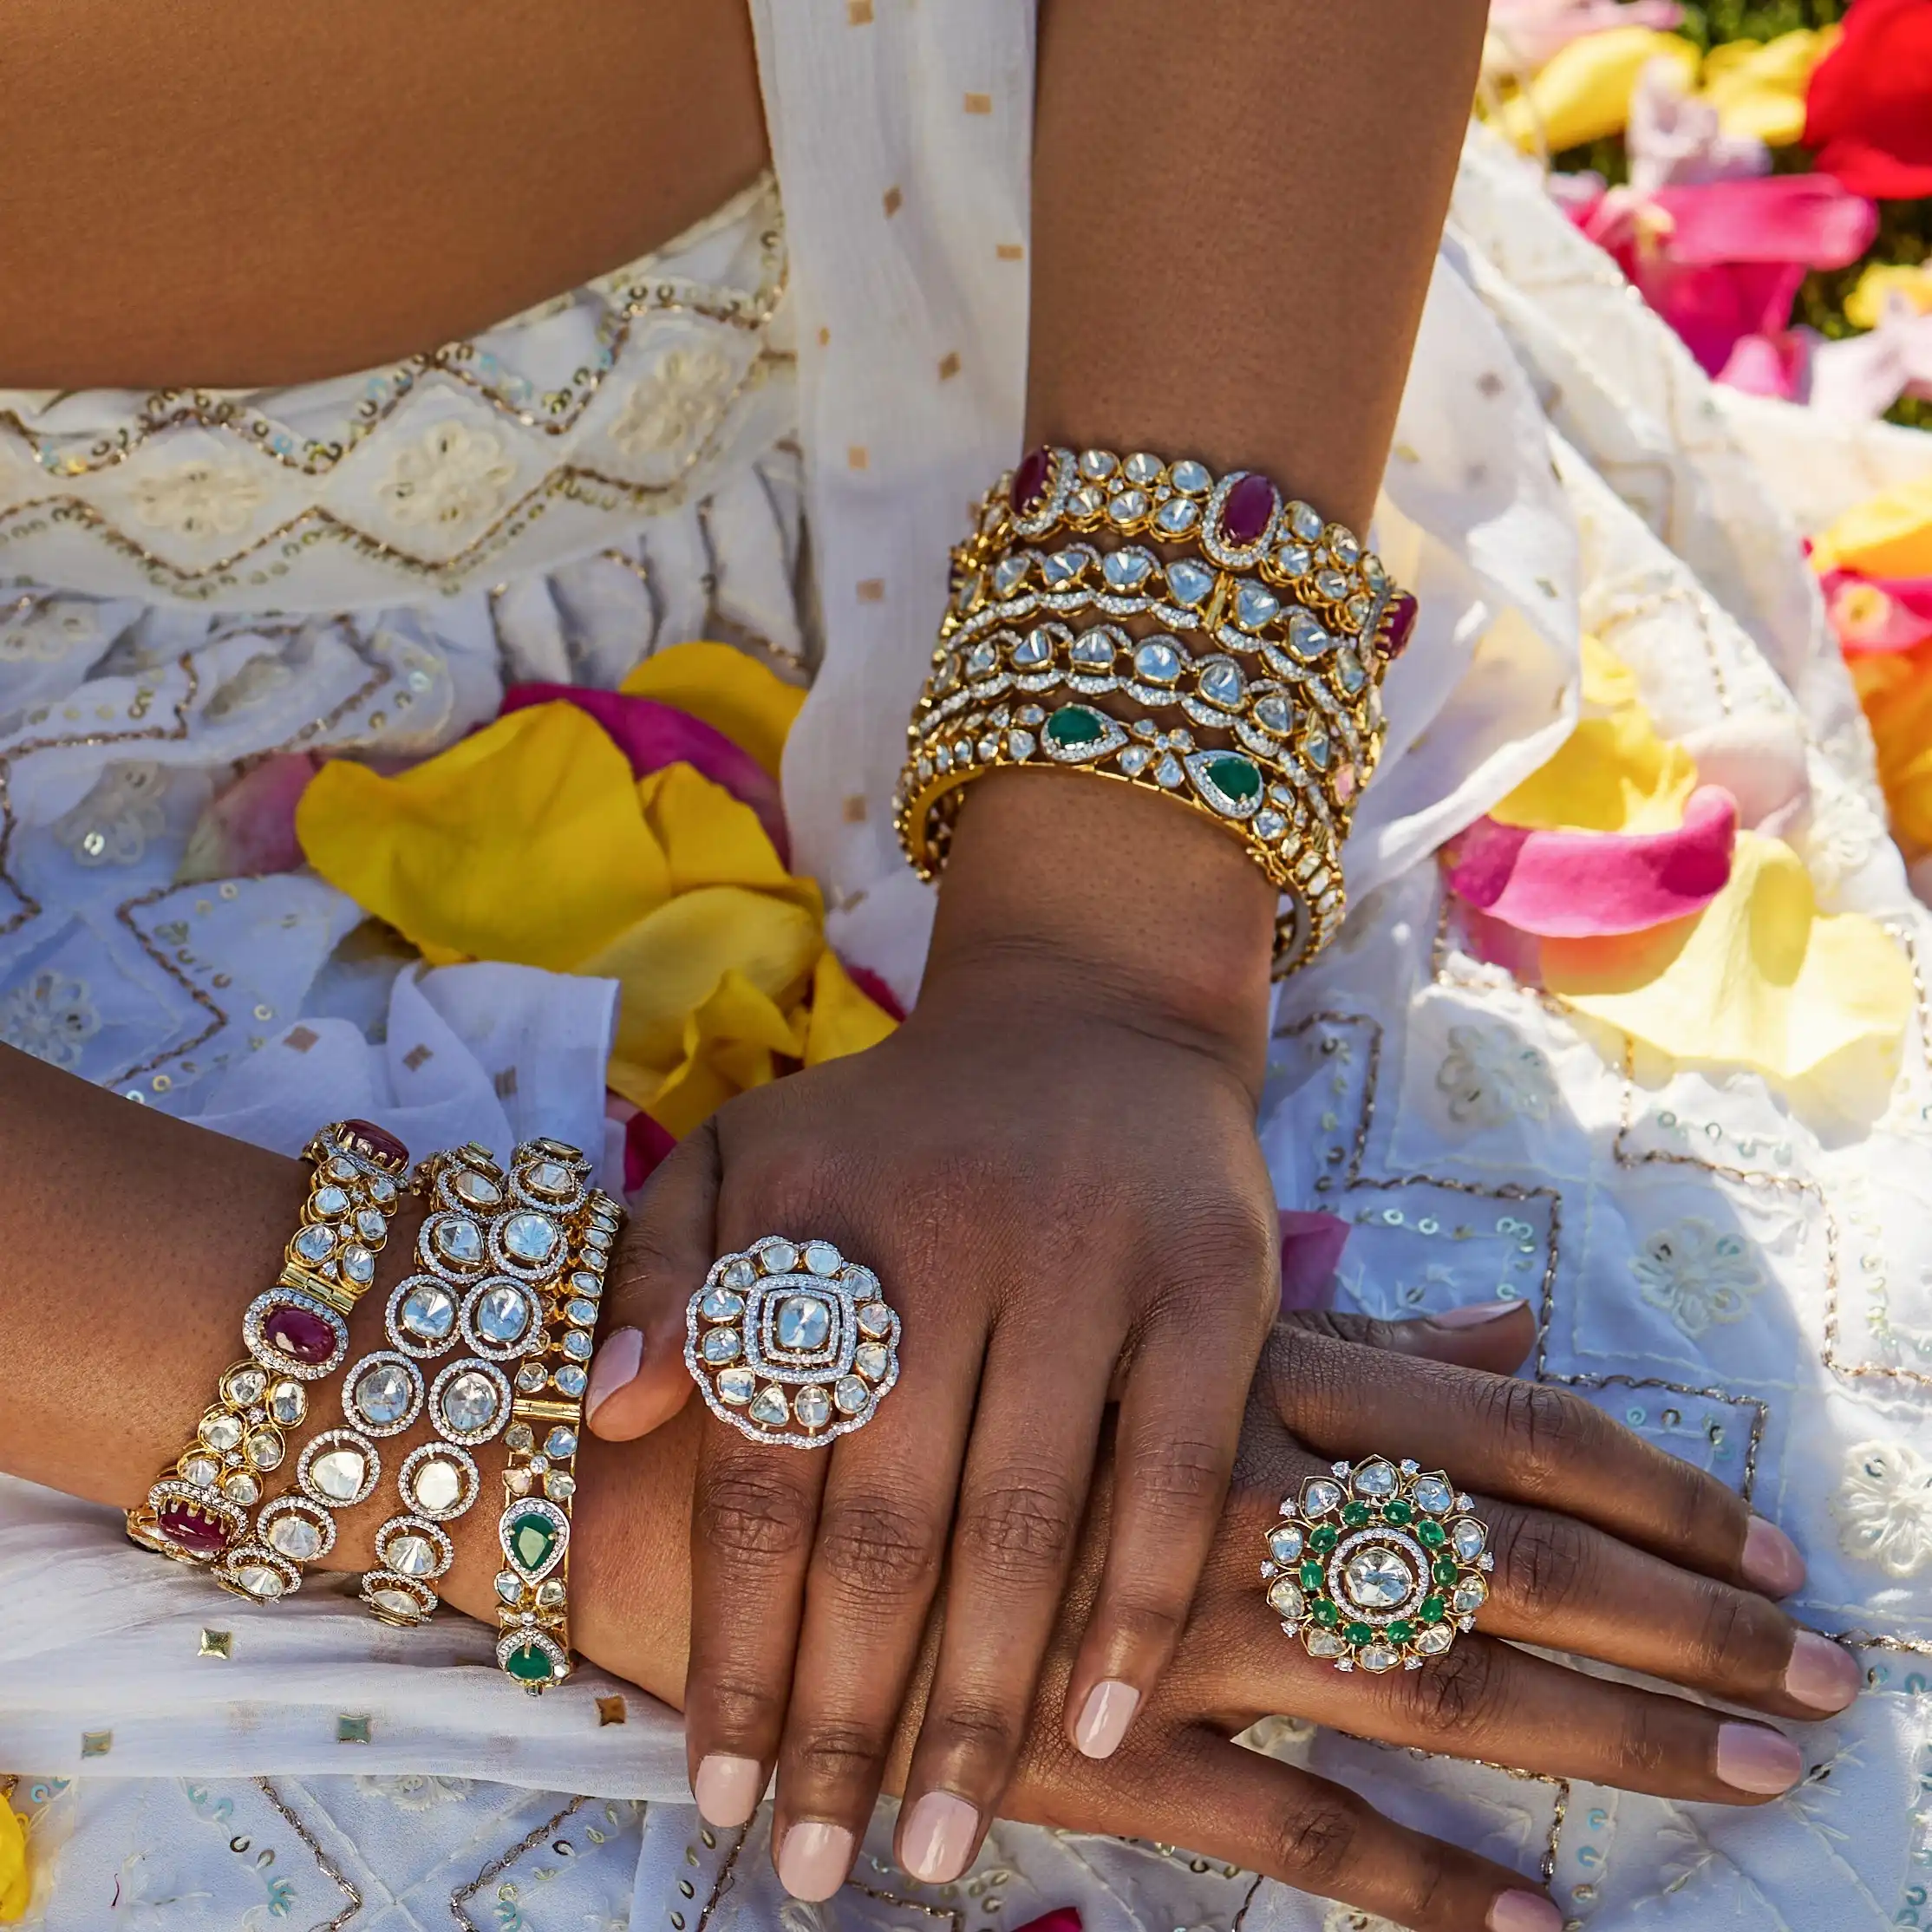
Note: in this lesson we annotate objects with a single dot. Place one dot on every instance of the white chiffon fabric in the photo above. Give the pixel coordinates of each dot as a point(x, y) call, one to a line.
point(1741, 1271)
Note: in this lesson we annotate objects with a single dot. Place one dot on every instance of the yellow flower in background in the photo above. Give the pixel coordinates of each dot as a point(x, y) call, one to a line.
point(530, 842)
point(17, 1884)
point(1584, 92)
point(1887, 535)
point(1760, 978)
point(1613, 773)
point(1865, 306)
point(1758, 86)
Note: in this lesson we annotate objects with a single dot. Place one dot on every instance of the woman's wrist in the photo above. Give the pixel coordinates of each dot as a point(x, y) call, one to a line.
point(1058, 889)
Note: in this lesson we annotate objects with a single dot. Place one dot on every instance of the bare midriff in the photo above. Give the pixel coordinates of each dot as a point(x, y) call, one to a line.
point(211, 193)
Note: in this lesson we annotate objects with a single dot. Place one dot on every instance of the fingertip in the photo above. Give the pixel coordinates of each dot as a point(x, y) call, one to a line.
point(1492, 1335)
point(1515, 1911)
point(629, 1393)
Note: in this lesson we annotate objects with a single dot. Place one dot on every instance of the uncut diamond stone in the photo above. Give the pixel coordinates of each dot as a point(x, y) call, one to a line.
point(265, 1450)
point(550, 1178)
point(359, 1265)
point(509, 1585)
point(288, 1403)
point(549, 1593)
point(295, 1538)
point(1377, 1578)
point(459, 1241)
point(410, 1555)
point(221, 1432)
point(1286, 1600)
point(561, 1442)
point(850, 1394)
point(1189, 583)
point(1285, 1544)
point(258, 1579)
point(584, 1283)
point(735, 1385)
point(598, 1241)
point(340, 1473)
point(330, 1203)
point(1469, 1596)
point(822, 1258)
point(771, 1410)
point(242, 1488)
point(435, 1484)
point(397, 1603)
point(383, 1394)
point(1177, 516)
point(875, 1319)
point(315, 1244)
point(873, 1360)
point(479, 1190)
point(584, 1315)
point(1320, 1496)
point(246, 1387)
point(1467, 1538)
point(576, 1344)
point(531, 1378)
point(201, 1471)
point(470, 1403)
point(569, 1379)
point(778, 1257)
point(813, 1406)
point(1323, 1643)
point(804, 1323)
point(1374, 1480)
point(371, 1225)
point(1435, 1496)
point(532, 1239)
point(721, 1305)
point(1432, 1642)
point(428, 1313)
point(503, 1315)
point(1379, 1657)
point(740, 1274)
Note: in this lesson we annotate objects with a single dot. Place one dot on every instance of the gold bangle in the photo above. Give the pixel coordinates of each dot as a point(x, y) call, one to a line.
point(539, 1482)
point(198, 1510)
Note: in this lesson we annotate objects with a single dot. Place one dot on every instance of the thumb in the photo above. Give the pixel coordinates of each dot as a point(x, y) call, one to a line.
point(1493, 1335)
point(638, 1380)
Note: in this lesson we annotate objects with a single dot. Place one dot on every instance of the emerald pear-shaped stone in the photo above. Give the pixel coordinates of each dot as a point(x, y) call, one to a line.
point(529, 1540)
point(530, 1664)
point(1236, 777)
point(1073, 724)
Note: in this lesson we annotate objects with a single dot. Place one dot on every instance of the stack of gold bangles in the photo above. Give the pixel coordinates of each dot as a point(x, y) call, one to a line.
point(1231, 658)
point(509, 1275)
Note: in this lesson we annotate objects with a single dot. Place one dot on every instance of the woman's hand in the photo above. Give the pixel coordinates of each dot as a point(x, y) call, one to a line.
point(1052, 1168)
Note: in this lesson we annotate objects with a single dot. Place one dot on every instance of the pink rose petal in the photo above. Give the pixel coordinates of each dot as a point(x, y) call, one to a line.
point(646, 1147)
point(248, 829)
point(652, 735)
point(1311, 1247)
point(1066, 1918)
point(875, 989)
point(1581, 885)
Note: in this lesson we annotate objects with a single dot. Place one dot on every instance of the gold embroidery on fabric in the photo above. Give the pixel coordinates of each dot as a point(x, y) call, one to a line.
point(503, 1861)
point(322, 1863)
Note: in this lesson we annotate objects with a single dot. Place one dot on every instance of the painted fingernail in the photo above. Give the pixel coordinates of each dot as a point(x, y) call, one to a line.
point(616, 1367)
point(727, 1789)
point(813, 1860)
point(937, 1841)
point(1821, 1674)
point(1524, 1912)
point(1754, 1757)
point(1104, 1719)
point(1473, 1316)
point(1772, 1562)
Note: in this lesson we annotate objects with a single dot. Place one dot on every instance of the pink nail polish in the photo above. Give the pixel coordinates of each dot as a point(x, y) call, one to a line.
point(616, 1367)
point(1754, 1757)
point(1524, 1912)
point(1104, 1719)
point(1821, 1674)
point(1473, 1316)
point(727, 1789)
point(936, 1841)
point(813, 1859)
point(1771, 1561)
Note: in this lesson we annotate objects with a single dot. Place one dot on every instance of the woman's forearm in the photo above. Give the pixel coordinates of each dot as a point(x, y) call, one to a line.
point(1236, 209)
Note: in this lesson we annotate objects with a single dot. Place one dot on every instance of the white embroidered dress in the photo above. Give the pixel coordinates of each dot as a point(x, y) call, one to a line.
point(1741, 1272)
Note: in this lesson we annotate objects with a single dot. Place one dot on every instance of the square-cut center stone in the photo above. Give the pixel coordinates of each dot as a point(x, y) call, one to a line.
point(804, 1324)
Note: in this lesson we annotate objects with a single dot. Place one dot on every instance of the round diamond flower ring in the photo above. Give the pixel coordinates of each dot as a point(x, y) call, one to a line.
point(1377, 1565)
point(791, 1343)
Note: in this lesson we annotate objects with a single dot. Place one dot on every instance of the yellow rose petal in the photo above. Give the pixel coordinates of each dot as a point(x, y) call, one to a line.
point(1865, 306)
point(726, 689)
point(1887, 535)
point(843, 1020)
point(709, 839)
point(1584, 94)
point(1760, 978)
point(17, 1884)
point(1758, 87)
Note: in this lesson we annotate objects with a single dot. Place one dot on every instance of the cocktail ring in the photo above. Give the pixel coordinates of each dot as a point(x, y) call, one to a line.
point(1378, 1566)
point(791, 1343)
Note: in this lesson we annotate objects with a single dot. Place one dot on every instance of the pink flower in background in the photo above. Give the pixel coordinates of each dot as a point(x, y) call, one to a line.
point(1877, 613)
point(1524, 34)
point(1863, 375)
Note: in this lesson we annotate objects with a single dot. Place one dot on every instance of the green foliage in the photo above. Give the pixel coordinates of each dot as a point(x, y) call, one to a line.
point(1722, 20)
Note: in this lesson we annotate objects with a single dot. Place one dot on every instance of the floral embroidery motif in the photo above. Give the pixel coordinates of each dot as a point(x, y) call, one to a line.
point(451, 475)
point(41, 631)
point(1842, 837)
point(684, 394)
point(1884, 1507)
point(200, 499)
point(1699, 1277)
point(256, 680)
point(112, 825)
point(1491, 1076)
point(51, 1017)
point(416, 1791)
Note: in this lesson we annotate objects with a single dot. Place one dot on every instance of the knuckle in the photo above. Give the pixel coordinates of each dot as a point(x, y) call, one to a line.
point(743, 1513)
point(873, 1547)
point(973, 1731)
point(738, 1712)
point(1649, 1751)
point(1457, 1690)
point(1696, 1509)
point(829, 1756)
point(1543, 1563)
point(1018, 1530)
point(1180, 1475)
point(1316, 1842)
point(1730, 1643)
point(1545, 1430)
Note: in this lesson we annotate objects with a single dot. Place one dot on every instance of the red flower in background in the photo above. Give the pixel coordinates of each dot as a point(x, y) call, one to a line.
point(1868, 116)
